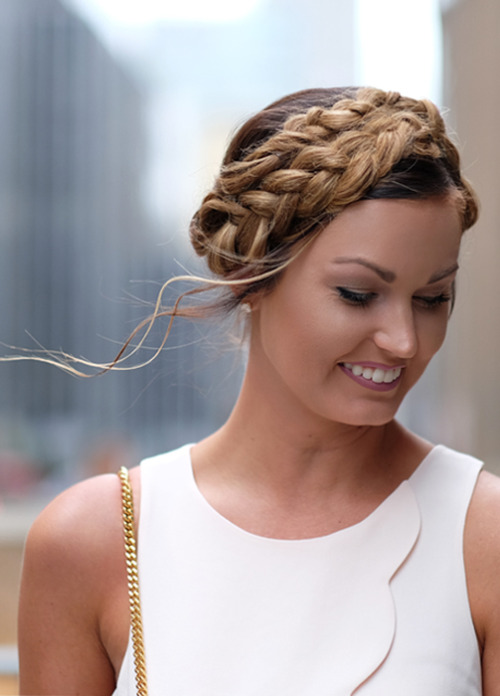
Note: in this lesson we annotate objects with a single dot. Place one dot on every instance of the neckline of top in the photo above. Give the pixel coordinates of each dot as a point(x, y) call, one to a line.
point(388, 503)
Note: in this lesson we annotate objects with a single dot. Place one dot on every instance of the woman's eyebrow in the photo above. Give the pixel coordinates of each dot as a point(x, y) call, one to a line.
point(390, 276)
point(386, 275)
point(440, 275)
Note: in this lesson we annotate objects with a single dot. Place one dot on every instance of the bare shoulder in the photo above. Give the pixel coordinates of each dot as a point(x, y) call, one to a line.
point(69, 512)
point(85, 517)
point(483, 518)
point(70, 529)
point(482, 538)
point(482, 561)
point(73, 605)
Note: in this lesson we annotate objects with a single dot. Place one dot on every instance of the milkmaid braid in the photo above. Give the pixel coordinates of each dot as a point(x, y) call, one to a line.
point(288, 171)
point(299, 162)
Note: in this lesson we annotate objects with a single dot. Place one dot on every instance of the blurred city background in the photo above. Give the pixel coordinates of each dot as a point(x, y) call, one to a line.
point(113, 119)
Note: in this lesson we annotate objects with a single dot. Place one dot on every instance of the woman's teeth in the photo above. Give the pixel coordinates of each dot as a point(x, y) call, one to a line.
point(376, 375)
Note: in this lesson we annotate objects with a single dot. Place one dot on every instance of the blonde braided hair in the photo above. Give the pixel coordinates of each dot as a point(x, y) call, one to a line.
point(289, 171)
point(304, 173)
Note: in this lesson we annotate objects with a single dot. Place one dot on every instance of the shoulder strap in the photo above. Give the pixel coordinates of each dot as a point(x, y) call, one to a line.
point(133, 583)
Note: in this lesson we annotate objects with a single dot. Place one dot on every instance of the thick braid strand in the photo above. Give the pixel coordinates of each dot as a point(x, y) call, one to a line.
point(318, 163)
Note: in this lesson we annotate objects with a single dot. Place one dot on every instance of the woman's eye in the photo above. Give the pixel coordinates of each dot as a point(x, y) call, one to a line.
point(354, 297)
point(433, 301)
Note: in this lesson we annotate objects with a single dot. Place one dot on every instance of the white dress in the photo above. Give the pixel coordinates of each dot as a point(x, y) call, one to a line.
point(377, 609)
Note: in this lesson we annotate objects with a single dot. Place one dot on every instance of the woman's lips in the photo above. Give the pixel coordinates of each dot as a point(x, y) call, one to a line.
point(373, 375)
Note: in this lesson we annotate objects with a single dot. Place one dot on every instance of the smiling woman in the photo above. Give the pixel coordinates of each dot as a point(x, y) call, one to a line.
point(284, 553)
point(372, 291)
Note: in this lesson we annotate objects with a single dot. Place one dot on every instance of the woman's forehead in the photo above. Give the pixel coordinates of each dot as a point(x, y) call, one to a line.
point(390, 237)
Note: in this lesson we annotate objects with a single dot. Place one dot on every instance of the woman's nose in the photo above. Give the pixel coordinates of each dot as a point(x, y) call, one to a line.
point(397, 334)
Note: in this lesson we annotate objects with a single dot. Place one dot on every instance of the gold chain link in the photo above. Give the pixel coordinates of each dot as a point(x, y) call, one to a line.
point(133, 584)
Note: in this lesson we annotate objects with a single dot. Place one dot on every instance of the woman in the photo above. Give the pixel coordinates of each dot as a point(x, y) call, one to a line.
point(312, 545)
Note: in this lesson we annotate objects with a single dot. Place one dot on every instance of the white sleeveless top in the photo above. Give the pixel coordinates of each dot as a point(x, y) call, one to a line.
point(377, 609)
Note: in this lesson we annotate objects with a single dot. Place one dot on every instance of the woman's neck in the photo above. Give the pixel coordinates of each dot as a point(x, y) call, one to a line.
point(294, 484)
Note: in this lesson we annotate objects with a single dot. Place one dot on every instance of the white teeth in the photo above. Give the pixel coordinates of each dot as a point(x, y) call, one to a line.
point(377, 375)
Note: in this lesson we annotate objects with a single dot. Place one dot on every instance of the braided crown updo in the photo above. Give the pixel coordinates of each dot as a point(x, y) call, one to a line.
point(289, 171)
point(295, 165)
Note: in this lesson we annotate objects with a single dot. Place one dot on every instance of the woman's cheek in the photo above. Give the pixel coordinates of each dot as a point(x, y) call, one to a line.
point(433, 334)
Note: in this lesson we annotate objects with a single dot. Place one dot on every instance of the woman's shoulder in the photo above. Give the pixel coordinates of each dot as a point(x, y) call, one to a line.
point(74, 590)
point(482, 549)
point(483, 519)
point(78, 537)
point(482, 561)
point(79, 515)
point(484, 512)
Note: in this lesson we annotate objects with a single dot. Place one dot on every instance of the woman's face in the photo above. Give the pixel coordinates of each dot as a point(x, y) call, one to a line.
point(356, 318)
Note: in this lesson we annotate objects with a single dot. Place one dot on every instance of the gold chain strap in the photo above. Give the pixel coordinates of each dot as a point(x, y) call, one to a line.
point(133, 584)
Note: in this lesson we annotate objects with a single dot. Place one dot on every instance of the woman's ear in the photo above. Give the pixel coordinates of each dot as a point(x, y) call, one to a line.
point(253, 301)
point(247, 302)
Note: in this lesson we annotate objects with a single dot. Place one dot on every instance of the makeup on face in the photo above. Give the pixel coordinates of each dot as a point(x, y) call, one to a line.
point(356, 317)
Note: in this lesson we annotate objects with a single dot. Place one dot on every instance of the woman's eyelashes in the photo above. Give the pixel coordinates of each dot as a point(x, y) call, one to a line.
point(433, 301)
point(356, 297)
point(359, 298)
